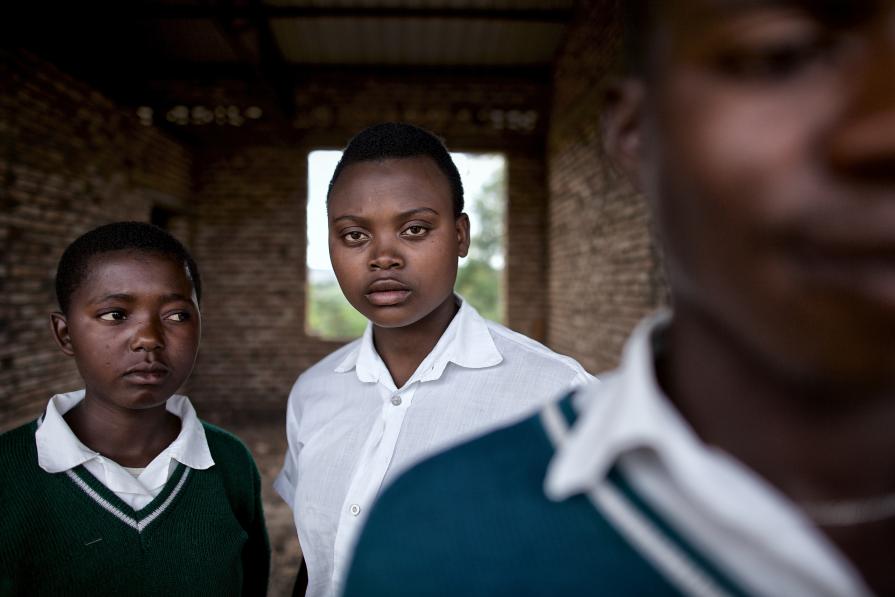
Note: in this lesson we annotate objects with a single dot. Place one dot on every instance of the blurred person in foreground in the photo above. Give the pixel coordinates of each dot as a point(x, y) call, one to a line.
point(745, 445)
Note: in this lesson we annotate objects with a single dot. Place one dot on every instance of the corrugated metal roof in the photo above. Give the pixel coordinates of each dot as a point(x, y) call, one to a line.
point(478, 32)
point(416, 41)
point(186, 40)
point(134, 49)
point(330, 32)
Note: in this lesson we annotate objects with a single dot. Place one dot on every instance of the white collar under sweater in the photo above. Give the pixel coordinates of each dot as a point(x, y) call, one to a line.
point(59, 449)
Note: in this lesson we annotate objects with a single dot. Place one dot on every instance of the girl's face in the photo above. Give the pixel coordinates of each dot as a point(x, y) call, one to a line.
point(394, 241)
point(133, 327)
point(767, 147)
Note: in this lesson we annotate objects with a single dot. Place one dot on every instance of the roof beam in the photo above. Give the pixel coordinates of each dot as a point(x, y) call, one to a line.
point(272, 69)
point(273, 64)
point(258, 11)
point(502, 73)
point(297, 72)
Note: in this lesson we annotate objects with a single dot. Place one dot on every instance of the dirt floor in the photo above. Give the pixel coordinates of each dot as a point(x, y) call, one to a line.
point(268, 445)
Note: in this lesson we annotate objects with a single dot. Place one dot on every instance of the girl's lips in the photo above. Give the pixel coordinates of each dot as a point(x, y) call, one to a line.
point(387, 298)
point(871, 277)
point(154, 377)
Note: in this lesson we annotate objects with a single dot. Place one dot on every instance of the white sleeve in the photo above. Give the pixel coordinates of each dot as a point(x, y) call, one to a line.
point(286, 481)
point(583, 378)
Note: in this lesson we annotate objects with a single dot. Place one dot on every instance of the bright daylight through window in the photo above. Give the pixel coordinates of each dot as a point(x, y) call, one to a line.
point(480, 279)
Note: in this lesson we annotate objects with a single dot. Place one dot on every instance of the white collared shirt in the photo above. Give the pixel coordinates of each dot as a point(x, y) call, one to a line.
point(59, 449)
point(753, 531)
point(351, 431)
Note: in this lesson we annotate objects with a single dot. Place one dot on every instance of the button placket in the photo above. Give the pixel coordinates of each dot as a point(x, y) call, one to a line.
point(373, 464)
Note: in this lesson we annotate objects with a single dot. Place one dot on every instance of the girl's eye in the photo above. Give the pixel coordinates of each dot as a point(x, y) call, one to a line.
point(776, 61)
point(415, 231)
point(354, 236)
point(179, 316)
point(113, 316)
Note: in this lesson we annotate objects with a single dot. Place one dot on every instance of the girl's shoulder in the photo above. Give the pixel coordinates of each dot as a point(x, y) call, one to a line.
point(17, 442)
point(18, 454)
point(221, 440)
point(230, 454)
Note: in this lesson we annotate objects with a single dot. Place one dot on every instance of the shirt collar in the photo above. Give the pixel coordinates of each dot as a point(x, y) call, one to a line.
point(627, 412)
point(191, 446)
point(59, 449)
point(466, 342)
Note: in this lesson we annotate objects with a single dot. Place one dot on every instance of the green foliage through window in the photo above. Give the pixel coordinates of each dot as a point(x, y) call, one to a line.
point(480, 279)
point(330, 315)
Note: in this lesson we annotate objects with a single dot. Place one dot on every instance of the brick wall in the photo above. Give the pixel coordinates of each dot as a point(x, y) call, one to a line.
point(603, 272)
point(250, 245)
point(525, 276)
point(70, 160)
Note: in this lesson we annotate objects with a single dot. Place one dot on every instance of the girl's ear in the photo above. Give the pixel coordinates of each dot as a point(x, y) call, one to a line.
point(59, 325)
point(462, 224)
point(623, 126)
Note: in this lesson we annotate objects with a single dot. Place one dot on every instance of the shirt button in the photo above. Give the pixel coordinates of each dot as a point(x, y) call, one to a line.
point(396, 400)
point(354, 509)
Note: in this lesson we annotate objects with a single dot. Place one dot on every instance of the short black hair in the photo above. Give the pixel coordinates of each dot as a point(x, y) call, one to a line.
point(390, 140)
point(74, 265)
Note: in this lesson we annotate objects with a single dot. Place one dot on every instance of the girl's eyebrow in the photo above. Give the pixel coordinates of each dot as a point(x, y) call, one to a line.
point(349, 217)
point(119, 296)
point(412, 212)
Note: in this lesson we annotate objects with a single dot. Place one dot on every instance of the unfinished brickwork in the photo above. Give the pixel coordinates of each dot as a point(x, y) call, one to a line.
point(250, 244)
point(581, 270)
point(70, 160)
point(604, 275)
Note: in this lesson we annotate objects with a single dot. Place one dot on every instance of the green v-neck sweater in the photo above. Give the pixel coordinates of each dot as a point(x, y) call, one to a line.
point(67, 534)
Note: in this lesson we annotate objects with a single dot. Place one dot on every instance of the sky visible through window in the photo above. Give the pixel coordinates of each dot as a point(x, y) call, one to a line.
point(480, 279)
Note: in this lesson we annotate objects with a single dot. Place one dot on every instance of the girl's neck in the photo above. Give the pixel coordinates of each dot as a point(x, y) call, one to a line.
point(403, 349)
point(131, 438)
point(813, 443)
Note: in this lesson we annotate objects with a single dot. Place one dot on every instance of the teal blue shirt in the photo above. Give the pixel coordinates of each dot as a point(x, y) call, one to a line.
point(475, 521)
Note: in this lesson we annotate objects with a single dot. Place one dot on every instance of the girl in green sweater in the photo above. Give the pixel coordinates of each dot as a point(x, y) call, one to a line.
point(119, 489)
